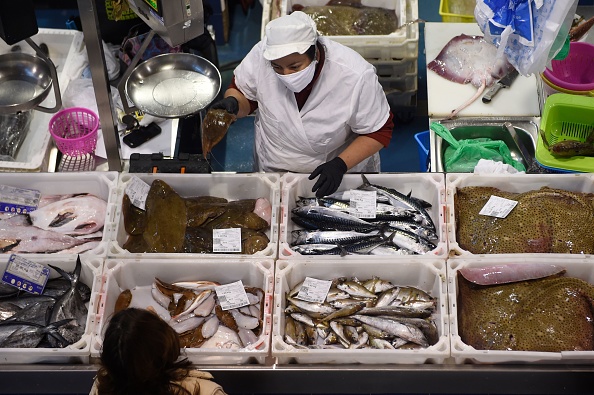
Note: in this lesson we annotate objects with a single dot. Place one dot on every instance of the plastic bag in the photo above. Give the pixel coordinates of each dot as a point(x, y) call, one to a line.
point(462, 156)
point(528, 32)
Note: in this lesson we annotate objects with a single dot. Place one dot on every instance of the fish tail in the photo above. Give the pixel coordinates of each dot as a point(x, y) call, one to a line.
point(365, 180)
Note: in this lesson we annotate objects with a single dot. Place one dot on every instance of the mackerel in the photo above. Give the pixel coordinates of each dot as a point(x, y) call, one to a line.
point(333, 219)
point(398, 199)
point(328, 236)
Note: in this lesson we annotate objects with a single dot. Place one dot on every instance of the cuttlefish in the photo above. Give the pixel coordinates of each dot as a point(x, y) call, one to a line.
point(470, 59)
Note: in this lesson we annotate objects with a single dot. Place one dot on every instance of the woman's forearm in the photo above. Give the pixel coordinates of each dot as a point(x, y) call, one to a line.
point(361, 148)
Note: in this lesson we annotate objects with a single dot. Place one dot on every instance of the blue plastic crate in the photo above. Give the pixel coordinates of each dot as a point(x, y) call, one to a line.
point(423, 142)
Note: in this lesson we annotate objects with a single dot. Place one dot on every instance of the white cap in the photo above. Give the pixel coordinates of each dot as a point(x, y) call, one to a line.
point(293, 33)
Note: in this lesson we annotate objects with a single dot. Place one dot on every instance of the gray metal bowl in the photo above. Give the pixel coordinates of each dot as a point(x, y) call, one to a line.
point(25, 81)
point(173, 85)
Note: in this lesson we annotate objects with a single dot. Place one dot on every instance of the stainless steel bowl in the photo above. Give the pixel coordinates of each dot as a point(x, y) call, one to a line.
point(173, 85)
point(471, 128)
point(25, 81)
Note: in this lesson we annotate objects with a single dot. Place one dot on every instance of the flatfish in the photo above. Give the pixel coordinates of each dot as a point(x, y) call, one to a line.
point(214, 128)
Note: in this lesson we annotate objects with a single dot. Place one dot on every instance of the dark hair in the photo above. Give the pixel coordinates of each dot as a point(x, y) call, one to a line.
point(311, 52)
point(140, 356)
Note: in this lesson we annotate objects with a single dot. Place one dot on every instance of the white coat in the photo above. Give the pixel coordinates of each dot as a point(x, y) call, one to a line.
point(346, 101)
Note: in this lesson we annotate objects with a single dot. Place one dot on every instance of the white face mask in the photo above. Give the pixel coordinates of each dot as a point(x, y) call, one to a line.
point(296, 82)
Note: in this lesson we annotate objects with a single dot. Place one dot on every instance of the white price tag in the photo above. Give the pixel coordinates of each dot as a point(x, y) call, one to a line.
point(363, 204)
point(314, 290)
point(232, 295)
point(226, 240)
point(25, 274)
point(498, 207)
point(137, 190)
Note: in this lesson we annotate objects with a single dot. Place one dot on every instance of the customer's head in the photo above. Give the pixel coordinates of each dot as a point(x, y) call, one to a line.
point(140, 355)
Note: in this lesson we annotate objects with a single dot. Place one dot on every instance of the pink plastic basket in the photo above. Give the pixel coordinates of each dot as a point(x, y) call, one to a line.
point(576, 72)
point(74, 131)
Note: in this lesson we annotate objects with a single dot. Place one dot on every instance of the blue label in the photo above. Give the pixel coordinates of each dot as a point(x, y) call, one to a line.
point(26, 275)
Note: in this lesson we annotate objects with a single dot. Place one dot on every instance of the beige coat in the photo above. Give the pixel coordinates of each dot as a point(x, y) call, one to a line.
point(197, 383)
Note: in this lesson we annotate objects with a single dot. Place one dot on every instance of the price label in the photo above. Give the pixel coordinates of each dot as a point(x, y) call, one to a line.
point(18, 200)
point(498, 207)
point(232, 295)
point(363, 204)
point(314, 290)
point(226, 240)
point(137, 190)
point(26, 275)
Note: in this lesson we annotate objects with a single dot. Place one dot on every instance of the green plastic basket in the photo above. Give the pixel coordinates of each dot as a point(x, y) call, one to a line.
point(566, 117)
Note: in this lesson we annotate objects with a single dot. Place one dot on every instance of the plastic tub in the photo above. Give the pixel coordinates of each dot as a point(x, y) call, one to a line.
point(449, 13)
point(423, 146)
point(427, 186)
point(428, 275)
point(229, 186)
point(576, 71)
point(464, 353)
point(139, 274)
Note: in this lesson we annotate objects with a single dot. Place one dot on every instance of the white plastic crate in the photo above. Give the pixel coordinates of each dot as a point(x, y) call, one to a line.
point(404, 83)
point(101, 184)
point(228, 186)
point(427, 186)
point(139, 274)
point(510, 183)
point(62, 44)
point(427, 275)
point(403, 43)
point(395, 68)
point(79, 352)
point(461, 352)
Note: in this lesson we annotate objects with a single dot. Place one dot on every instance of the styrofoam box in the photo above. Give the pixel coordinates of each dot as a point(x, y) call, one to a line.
point(61, 44)
point(427, 186)
point(101, 184)
point(427, 275)
point(518, 183)
point(228, 186)
point(462, 353)
point(79, 352)
point(139, 274)
point(403, 43)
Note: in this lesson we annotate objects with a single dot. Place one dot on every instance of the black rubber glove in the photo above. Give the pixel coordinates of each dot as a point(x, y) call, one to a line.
point(330, 177)
point(229, 104)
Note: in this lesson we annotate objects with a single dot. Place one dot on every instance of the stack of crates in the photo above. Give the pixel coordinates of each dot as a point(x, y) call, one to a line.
point(394, 56)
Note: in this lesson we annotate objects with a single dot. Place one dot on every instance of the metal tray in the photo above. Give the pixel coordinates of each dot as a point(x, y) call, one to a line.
point(25, 81)
point(470, 128)
point(173, 85)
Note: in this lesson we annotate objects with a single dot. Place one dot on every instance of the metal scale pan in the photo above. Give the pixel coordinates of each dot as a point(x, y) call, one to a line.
point(173, 85)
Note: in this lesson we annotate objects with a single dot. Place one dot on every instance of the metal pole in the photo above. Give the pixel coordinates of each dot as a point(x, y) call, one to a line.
point(92, 37)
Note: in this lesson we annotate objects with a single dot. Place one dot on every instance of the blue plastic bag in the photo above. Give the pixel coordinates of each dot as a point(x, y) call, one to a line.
point(528, 32)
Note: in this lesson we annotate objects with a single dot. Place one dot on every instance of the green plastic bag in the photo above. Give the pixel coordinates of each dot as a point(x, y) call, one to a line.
point(463, 155)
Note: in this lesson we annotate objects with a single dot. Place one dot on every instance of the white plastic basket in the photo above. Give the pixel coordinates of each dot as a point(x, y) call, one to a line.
point(101, 184)
point(427, 186)
point(79, 352)
point(463, 353)
point(403, 43)
point(139, 275)
point(510, 183)
point(428, 275)
point(62, 46)
point(229, 186)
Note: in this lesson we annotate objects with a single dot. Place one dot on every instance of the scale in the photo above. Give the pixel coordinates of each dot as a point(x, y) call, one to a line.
point(175, 85)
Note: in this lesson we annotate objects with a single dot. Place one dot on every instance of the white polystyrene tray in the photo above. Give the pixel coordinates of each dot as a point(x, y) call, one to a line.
point(428, 275)
point(463, 353)
point(518, 183)
point(62, 44)
point(101, 184)
point(139, 274)
point(79, 352)
point(427, 186)
point(229, 186)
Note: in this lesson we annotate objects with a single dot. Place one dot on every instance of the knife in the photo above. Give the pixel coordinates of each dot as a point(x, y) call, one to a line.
point(505, 82)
